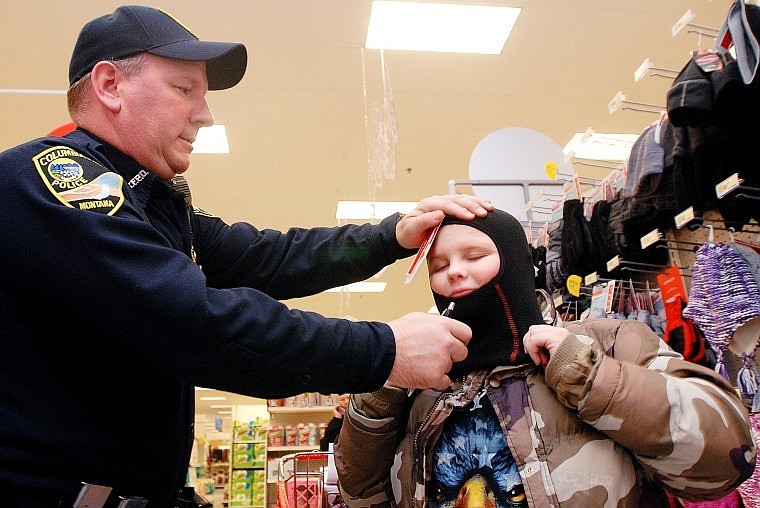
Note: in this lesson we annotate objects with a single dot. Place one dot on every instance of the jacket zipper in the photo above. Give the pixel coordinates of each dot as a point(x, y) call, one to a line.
point(424, 422)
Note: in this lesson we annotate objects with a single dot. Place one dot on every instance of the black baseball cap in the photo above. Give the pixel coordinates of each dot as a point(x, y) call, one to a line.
point(133, 29)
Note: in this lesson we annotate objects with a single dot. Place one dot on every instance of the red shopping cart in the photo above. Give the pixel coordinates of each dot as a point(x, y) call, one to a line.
point(308, 480)
point(300, 480)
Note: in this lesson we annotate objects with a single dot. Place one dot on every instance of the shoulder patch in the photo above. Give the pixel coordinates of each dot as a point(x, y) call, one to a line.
point(80, 182)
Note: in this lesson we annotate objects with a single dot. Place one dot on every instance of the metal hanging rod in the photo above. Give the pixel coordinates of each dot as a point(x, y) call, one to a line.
point(619, 101)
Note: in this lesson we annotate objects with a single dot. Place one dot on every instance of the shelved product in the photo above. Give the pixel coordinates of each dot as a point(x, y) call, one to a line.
point(296, 424)
point(248, 458)
point(209, 468)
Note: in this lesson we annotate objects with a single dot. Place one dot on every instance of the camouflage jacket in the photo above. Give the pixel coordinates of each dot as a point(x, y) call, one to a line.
point(616, 417)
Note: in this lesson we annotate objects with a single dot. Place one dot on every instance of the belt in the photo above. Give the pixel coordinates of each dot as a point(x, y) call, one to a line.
point(96, 496)
point(17, 497)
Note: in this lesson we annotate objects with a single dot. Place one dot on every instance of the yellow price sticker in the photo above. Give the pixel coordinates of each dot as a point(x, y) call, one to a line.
point(684, 217)
point(552, 169)
point(574, 285)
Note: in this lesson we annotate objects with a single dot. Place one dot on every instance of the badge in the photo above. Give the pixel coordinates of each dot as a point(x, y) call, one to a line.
point(79, 182)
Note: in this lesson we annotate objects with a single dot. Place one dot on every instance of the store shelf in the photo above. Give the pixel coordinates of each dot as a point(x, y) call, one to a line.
point(300, 410)
point(289, 418)
point(293, 448)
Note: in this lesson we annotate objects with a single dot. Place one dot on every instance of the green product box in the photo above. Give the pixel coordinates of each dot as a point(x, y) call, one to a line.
point(241, 499)
point(242, 455)
point(241, 486)
point(242, 474)
point(259, 455)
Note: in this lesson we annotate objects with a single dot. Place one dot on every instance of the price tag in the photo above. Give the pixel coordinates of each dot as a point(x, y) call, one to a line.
point(616, 102)
point(570, 192)
point(707, 60)
point(650, 238)
point(728, 185)
point(613, 263)
point(558, 300)
point(591, 278)
point(610, 296)
point(599, 297)
point(551, 170)
point(557, 212)
point(574, 285)
point(684, 217)
point(642, 70)
point(682, 22)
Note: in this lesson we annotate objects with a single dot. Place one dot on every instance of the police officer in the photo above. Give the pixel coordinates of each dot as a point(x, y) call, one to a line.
point(117, 296)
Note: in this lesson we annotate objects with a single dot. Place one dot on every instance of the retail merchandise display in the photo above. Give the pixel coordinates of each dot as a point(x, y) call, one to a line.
point(243, 471)
point(672, 239)
point(247, 476)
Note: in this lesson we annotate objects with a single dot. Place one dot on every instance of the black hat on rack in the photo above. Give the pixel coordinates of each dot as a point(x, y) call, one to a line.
point(690, 99)
point(741, 29)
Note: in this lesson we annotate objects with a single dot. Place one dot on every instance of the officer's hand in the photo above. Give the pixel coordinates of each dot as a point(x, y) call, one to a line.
point(415, 225)
point(426, 346)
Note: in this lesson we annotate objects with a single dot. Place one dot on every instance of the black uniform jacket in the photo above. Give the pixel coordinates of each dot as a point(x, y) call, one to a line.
point(107, 323)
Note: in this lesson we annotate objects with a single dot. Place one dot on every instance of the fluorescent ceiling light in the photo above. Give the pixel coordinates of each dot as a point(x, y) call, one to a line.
point(224, 412)
point(200, 388)
point(599, 146)
point(220, 406)
point(441, 27)
point(212, 398)
point(371, 209)
point(360, 287)
point(211, 140)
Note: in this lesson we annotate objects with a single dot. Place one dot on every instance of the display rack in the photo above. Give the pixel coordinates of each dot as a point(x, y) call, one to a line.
point(295, 425)
point(248, 460)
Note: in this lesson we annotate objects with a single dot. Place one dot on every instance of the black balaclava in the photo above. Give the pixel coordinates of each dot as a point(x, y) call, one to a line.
point(501, 311)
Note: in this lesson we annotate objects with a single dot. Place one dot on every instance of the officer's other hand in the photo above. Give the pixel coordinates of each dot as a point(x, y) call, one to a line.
point(426, 347)
point(415, 225)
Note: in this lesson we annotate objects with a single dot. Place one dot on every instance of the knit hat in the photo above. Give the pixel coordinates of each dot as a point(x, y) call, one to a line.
point(652, 161)
point(601, 234)
point(723, 295)
point(501, 311)
point(690, 99)
point(741, 29)
point(752, 257)
point(579, 254)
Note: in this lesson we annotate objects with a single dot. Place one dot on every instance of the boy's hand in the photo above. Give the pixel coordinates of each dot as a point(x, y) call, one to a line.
point(414, 226)
point(542, 341)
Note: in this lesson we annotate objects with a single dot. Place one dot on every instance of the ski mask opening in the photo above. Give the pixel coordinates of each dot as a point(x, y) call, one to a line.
point(501, 311)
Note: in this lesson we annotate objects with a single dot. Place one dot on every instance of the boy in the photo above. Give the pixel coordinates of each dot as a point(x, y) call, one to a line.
point(597, 413)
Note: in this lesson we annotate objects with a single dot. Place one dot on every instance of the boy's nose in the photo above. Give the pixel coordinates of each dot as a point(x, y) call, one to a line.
point(456, 270)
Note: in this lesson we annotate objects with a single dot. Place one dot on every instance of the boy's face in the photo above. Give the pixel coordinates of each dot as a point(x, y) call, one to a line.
point(461, 260)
